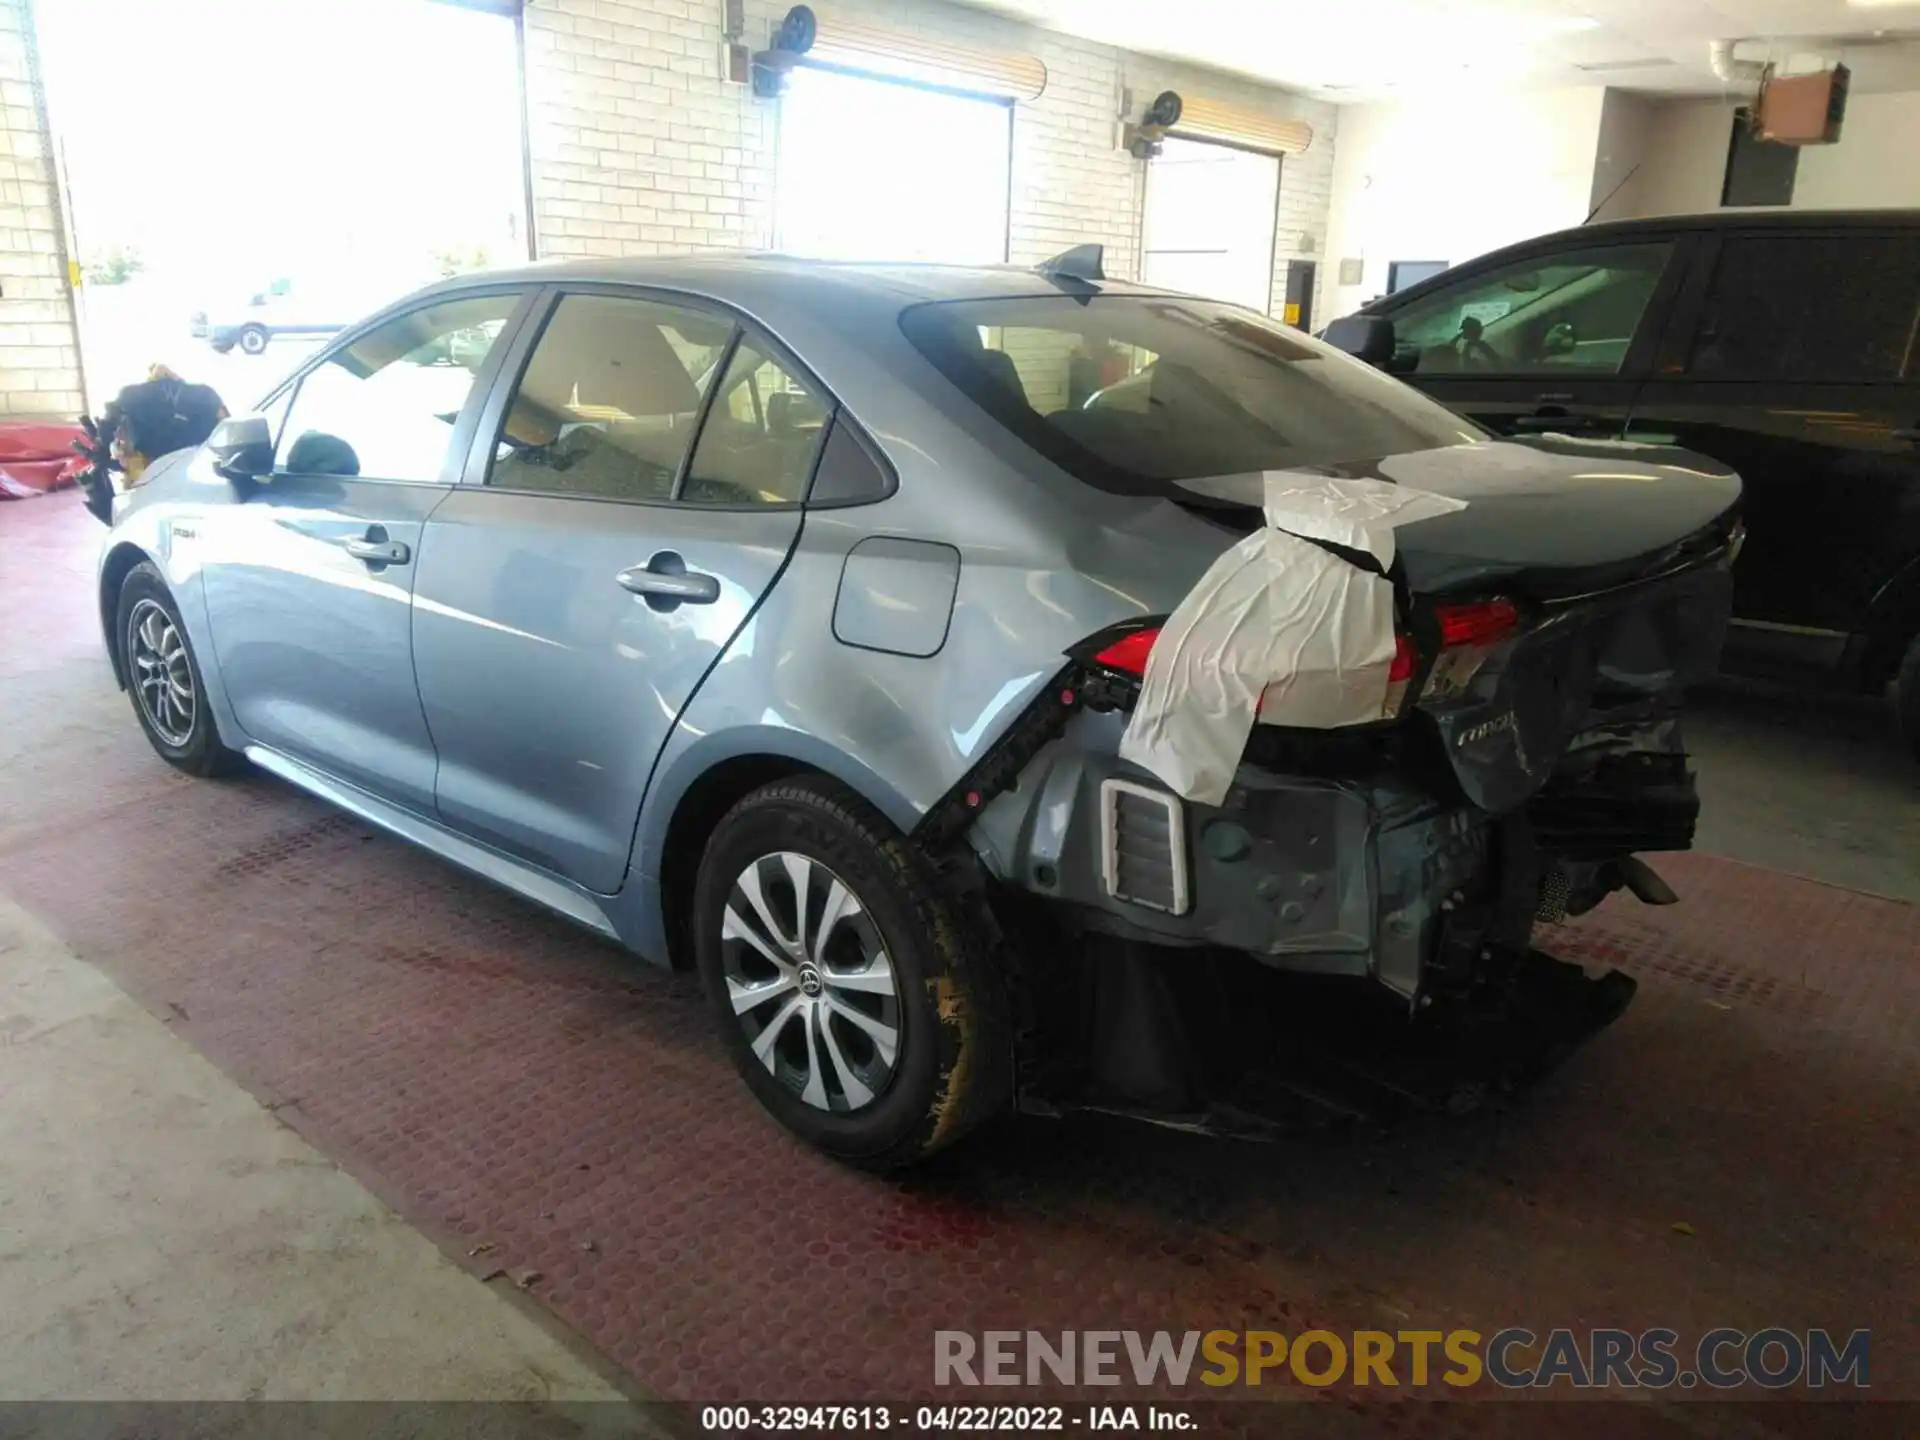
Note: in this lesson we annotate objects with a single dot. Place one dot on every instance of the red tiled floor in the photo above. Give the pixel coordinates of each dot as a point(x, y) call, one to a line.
point(520, 1089)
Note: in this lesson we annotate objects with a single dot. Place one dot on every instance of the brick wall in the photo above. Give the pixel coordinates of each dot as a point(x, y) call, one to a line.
point(39, 356)
point(640, 148)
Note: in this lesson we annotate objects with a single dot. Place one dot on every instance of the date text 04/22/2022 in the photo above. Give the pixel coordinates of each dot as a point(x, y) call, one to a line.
point(946, 1419)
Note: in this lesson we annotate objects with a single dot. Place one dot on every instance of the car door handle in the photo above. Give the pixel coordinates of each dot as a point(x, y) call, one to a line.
point(664, 582)
point(1549, 423)
point(1911, 434)
point(379, 552)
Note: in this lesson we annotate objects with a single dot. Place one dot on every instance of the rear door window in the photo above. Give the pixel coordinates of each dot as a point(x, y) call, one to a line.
point(1570, 314)
point(761, 434)
point(1131, 392)
point(1840, 309)
point(610, 399)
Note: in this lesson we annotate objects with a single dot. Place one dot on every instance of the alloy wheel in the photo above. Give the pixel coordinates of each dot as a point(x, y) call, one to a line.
point(163, 679)
point(809, 979)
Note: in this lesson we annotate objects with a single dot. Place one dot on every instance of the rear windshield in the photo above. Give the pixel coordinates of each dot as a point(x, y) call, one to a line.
point(1130, 392)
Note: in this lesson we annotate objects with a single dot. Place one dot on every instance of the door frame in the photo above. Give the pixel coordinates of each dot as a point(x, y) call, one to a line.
point(505, 379)
point(485, 379)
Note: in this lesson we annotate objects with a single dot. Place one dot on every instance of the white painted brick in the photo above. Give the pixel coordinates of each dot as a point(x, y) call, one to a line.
point(707, 149)
point(41, 372)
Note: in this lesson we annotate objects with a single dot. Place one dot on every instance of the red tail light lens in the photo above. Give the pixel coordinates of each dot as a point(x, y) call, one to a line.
point(1404, 659)
point(1478, 624)
point(1129, 654)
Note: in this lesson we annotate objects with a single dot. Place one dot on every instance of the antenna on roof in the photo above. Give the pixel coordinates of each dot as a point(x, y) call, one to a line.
point(1082, 262)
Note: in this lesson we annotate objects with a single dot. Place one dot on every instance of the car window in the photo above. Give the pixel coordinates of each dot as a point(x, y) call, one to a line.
point(1790, 307)
point(761, 435)
point(384, 406)
point(609, 400)
point(1129, 393)
point(1575, 313)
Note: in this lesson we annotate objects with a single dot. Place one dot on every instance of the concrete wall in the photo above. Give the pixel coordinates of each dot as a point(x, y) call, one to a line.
point(39, 356)
point(1873, 166)
point(640, 148)
point(1455, 176)
point(1629, 129)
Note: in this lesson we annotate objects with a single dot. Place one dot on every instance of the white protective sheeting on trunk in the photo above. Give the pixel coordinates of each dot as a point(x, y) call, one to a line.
point(1281, 616)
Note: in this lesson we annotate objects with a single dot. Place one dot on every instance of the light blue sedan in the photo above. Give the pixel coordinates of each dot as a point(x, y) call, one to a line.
point(784, 619)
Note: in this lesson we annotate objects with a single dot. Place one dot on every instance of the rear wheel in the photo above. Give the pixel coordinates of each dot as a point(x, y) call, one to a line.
point(851, 998)
point(1906, 696)
point(253, 340)
point(163, 678)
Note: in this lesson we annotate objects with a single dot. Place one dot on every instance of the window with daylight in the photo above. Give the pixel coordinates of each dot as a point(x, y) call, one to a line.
point(1208, 228)
point(945, 158)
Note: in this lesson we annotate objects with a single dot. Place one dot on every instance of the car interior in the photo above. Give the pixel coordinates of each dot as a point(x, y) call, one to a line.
point(1576, 314)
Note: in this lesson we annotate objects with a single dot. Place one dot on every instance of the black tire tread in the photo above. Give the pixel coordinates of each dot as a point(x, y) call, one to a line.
point(975, 1063)
point(205, 756)
point(1907, 697)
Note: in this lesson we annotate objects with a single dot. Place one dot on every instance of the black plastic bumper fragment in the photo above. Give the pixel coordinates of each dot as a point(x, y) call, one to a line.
point(997, 770)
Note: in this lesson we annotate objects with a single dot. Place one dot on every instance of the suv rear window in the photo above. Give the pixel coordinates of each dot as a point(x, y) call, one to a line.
point(1129, 393)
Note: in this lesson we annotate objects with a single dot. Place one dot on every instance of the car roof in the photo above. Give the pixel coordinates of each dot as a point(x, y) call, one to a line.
point(1651, 227)
point(1738, 219)
point(721, 272)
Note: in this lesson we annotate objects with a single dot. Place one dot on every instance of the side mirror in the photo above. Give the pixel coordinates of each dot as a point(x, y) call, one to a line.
point(1365, 337)
point(242, 448)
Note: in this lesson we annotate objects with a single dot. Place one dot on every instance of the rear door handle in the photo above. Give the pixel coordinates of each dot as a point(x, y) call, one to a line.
point(379, 551)
point(665, 582)
point(1549, 424)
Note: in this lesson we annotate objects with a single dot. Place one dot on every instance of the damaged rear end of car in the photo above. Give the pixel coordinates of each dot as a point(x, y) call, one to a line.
point(1284, 848)
point(1352, 927)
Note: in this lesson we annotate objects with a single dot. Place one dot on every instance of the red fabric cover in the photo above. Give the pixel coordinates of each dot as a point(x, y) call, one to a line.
point(37, 455)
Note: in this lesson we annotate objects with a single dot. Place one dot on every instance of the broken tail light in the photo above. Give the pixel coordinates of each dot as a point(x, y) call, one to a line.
point(1128, 654)
point(1467, 633)
point(1484, 622)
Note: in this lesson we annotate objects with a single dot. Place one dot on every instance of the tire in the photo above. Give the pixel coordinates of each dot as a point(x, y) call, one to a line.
point(253, 340)
point(163, 678)
point(827, 1075)
point(1906, 697)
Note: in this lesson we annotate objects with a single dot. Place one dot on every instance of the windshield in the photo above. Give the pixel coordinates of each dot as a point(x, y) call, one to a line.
point(1129, 393)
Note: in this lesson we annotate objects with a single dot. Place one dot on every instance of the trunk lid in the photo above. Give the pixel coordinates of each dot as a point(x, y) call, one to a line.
point(1618, 558)
point(1545, 518)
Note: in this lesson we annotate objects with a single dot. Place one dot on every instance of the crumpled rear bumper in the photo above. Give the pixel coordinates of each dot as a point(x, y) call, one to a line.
point(1322, 875)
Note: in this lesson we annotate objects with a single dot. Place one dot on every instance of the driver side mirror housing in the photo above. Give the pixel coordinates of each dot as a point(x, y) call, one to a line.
point(242, 448)
point(1365, 337)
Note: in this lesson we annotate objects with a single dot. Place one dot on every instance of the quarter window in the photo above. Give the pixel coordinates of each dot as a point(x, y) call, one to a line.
point(1567, 314)
point(761, 436)
point(610, 399)
point(1790, 307)
point(384, 406)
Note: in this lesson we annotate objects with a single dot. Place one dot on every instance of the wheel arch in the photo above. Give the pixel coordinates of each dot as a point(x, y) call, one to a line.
point(115, 566)
point(709, 779)
point(1891, 625)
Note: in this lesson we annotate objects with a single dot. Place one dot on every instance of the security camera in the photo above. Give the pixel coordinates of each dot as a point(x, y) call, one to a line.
point(792, 38)
point(1144, 139)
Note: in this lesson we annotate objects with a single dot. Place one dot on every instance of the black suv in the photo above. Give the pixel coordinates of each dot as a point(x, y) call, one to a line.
point(1786, 345)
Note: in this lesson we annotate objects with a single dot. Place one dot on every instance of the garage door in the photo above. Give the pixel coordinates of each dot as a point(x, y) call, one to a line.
point(1209, 221)
point(945, 157)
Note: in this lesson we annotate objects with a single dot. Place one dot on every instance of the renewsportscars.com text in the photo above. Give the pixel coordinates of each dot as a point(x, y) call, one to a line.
point(1513, 1358)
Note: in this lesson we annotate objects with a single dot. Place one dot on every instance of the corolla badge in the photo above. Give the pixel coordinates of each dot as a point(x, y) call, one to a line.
point(1500, 724)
